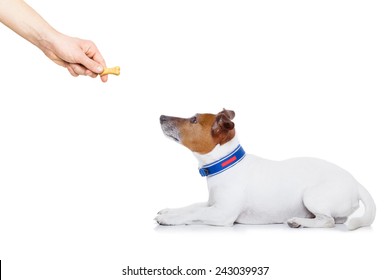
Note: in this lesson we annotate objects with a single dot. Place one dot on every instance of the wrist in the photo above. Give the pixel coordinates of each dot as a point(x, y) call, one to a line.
point(46, 39)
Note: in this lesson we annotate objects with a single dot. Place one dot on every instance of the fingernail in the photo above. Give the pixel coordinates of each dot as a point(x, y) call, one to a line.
point(99, 69)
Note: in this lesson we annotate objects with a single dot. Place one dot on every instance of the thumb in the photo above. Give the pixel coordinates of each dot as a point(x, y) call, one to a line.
point(91, 64)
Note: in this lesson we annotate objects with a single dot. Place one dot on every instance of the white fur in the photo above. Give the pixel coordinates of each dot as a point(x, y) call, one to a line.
point(305, 192)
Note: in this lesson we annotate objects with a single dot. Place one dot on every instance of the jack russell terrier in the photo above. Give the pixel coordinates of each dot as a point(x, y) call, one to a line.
point(246, 189)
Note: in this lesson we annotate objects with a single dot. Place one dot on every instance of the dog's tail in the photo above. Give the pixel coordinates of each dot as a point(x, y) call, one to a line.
point(369, 211)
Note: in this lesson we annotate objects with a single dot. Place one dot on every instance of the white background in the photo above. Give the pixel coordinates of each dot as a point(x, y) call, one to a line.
point(84, 166)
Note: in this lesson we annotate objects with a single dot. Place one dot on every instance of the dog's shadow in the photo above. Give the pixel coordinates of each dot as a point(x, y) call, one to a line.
point(239, 228)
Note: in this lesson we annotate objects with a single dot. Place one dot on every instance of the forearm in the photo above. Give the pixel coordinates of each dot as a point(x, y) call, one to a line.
point(25, 21)
point(80, 57)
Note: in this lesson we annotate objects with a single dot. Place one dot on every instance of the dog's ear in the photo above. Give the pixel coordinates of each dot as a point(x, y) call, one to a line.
point(229, 113)
point(223, 122)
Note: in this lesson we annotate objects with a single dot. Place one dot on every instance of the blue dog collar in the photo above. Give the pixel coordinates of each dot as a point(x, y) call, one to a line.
point(223, 164)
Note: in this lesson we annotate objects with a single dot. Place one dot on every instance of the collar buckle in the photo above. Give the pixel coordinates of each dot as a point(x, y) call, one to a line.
point(204, 172)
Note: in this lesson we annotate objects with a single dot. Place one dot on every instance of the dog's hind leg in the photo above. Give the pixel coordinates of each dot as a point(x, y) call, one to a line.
point(330, 203)
point(319, 221)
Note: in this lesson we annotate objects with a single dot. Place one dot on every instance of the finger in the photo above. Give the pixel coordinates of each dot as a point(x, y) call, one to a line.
point(90, 74)
point(104, 78)
point(93, 52)
point(81, 70)
point(91, 65)
point(99, 58)
point(71, 71)
point(78, 69)
point(92, 59)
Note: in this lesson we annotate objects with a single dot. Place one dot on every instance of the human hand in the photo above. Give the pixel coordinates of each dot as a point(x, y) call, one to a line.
point(80, 57)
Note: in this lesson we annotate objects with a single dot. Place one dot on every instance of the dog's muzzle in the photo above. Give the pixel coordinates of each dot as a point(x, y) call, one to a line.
point(168, 127)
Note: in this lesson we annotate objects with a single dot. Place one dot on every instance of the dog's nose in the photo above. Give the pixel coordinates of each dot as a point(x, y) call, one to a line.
point(163, 118)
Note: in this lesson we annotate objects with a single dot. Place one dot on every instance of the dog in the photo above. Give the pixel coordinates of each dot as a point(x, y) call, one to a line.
point(246, 189)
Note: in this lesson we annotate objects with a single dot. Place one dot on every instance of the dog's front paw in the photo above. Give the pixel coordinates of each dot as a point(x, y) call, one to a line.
point(167, 220)
point(159, 220)
point(293, 223)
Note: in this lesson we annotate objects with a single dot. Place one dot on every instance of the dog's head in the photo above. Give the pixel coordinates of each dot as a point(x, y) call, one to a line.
point(202, 132)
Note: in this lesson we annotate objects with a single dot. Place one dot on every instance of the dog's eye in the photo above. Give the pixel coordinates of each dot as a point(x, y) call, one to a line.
point(193, 119)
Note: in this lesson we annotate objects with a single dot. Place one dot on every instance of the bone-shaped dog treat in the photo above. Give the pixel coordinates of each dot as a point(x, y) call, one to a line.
point(114, 70)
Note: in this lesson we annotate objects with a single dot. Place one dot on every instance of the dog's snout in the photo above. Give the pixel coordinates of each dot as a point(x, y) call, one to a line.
point(163, 118)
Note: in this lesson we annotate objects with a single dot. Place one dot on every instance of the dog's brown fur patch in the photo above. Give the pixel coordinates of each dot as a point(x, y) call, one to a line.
point(203, 132)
